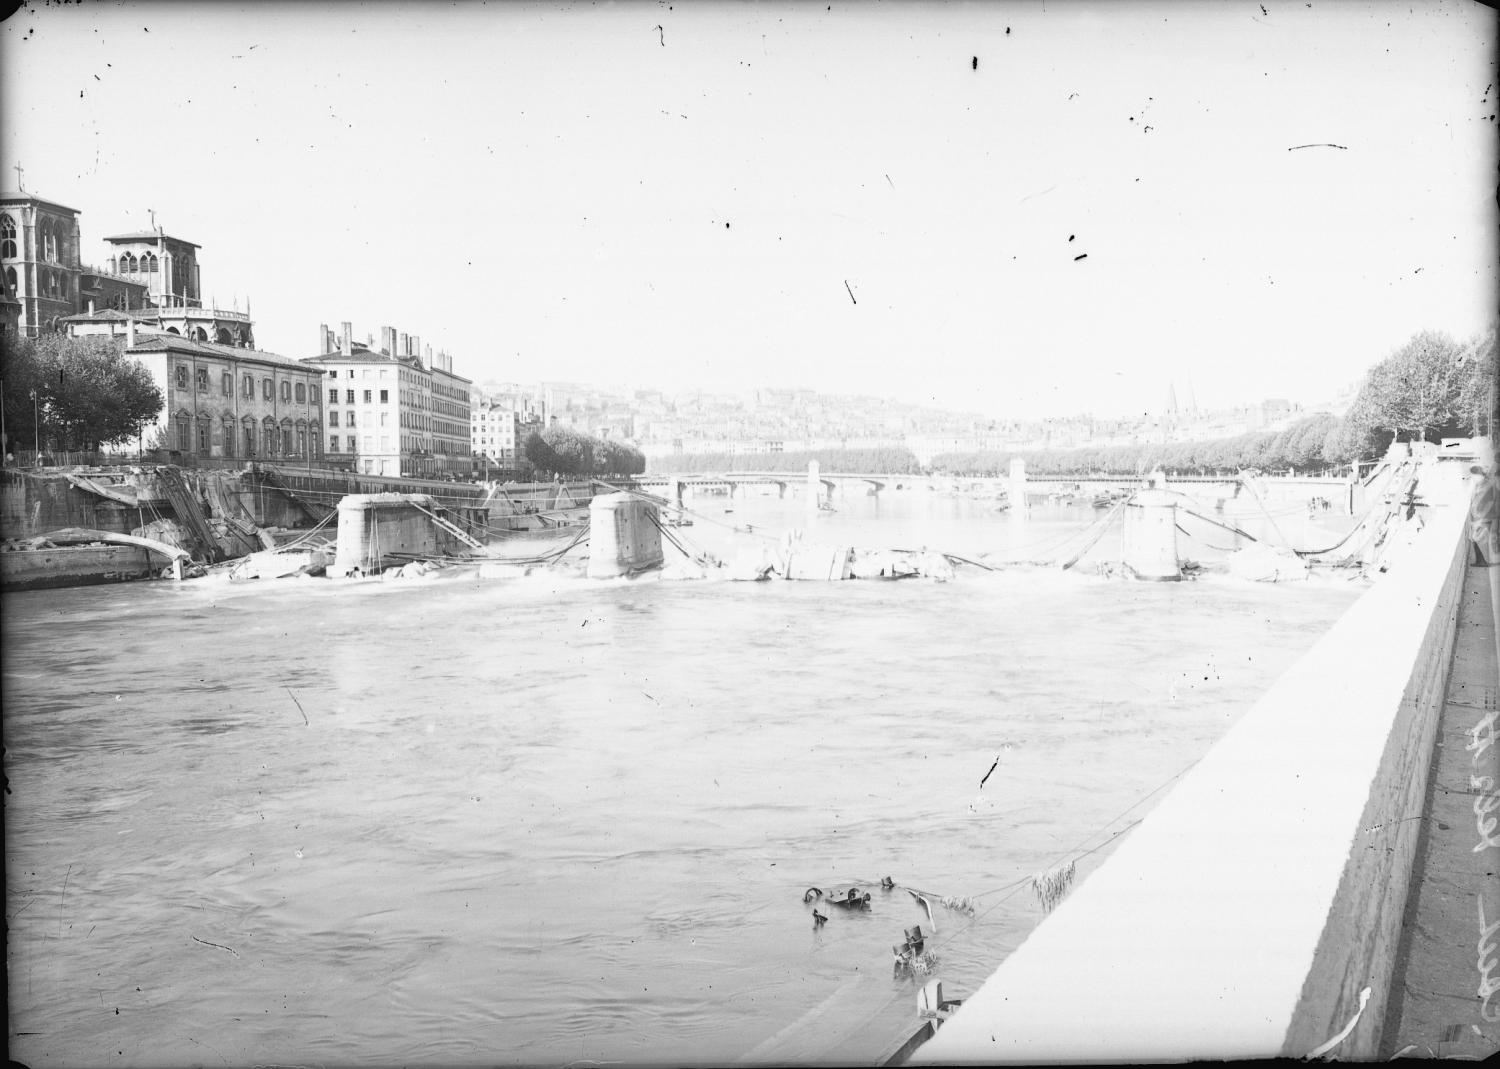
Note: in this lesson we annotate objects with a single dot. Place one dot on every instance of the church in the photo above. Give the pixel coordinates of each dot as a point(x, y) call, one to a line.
point(223, 397)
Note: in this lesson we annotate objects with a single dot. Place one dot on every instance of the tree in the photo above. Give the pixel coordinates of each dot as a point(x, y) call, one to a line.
point(88, 393)
point(1475, 404)
point(1416, 388)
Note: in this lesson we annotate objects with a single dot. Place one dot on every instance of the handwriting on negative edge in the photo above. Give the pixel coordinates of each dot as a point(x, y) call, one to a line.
point(1489, 960)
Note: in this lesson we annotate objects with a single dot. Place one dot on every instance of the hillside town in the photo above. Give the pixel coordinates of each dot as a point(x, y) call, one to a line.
point(393, 404)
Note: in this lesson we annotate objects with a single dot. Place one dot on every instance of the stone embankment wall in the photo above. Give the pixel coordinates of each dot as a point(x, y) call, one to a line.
point(33, 503)
point(1256, 911)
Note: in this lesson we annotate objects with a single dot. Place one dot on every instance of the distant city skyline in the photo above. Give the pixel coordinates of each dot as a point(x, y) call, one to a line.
point(1021, 210)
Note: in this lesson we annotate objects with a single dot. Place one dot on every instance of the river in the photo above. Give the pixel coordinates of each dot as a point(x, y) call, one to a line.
point(547, 820)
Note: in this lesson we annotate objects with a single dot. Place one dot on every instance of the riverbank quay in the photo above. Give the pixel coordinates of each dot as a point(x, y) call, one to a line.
point(1449, 965)
point(1257, 911)
point(220, 514)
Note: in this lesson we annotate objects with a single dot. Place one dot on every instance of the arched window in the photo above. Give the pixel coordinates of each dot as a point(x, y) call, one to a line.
point(148, 263)
point(173, 330)
point(199, 334)
point(222, 337)
point(127, 264)
point(8, 238)
point(10, 280)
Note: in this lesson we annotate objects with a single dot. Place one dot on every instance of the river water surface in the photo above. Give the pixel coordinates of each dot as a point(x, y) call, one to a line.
point(547, 820)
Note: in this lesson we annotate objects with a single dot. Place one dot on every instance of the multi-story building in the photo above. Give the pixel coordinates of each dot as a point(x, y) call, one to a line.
point(228, 401)
point(393, 410)
point(149, 274)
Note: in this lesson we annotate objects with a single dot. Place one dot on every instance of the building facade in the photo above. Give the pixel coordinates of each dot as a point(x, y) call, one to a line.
point(231, 402)
point(393, 410)
point(149, 274)
point(39, 256)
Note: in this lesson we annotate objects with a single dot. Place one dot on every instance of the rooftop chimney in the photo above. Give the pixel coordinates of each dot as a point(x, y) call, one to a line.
point(322, 338)
point(346, 340)
point(403, 344)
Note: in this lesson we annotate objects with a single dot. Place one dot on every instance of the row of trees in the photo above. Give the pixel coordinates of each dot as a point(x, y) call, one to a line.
point(568, 452)
point(1430, 388)
point(1303, 446)
point(896, 461)
point(73, 393)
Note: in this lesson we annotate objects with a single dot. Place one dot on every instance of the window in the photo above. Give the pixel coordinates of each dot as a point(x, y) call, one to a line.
point(182, 434)
point(333, 419)
point(334, 373)
point(367, 397)
point(8, 238)
point(249, 386)
point(127, 264)
point(352, 447)
point(227, 386)
point(148, 262)
point(301, 440)
point(383, 417)
point(286, 394)
point(203, 380)
point(301, 394)
point(203, 436)
point(268, 391)
point(385, 443)
point(333, 396)
point(333, 443)
point(385, 397)
point(228, 437)
point(249, 440)
point(349, 396)
point(182, 376)
point(369, 443)
point(271, 436)
point(10, 280)
point(286, 439)
point(349, 421)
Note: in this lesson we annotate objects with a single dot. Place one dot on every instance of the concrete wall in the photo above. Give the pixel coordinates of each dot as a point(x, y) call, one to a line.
point(1248, 914)
point(373, 528)
point(624, 536)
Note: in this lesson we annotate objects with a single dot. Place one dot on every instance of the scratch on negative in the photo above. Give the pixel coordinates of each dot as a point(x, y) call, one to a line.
point(851, 292)
point(221, 946)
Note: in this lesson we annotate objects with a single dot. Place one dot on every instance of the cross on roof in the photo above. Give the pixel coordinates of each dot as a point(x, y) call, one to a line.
point(20, 187)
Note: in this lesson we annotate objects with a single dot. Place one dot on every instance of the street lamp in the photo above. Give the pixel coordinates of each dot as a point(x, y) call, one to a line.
point(36, 426)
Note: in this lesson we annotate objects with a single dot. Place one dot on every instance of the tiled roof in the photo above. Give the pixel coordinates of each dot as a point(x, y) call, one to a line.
point(174, 343)
point(99, 316)
point(151, 235)
point(359, 355)
point(28, 198)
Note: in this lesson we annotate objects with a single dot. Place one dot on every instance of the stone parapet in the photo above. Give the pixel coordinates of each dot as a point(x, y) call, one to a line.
point(1257, 910)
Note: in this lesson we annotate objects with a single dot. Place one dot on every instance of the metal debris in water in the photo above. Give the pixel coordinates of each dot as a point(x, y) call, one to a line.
point(1052, 886)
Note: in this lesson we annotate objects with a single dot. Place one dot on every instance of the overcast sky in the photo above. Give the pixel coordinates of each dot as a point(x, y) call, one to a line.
point(1026, 209)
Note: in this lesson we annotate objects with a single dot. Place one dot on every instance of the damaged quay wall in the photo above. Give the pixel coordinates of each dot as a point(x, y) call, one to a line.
point(260, 496)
